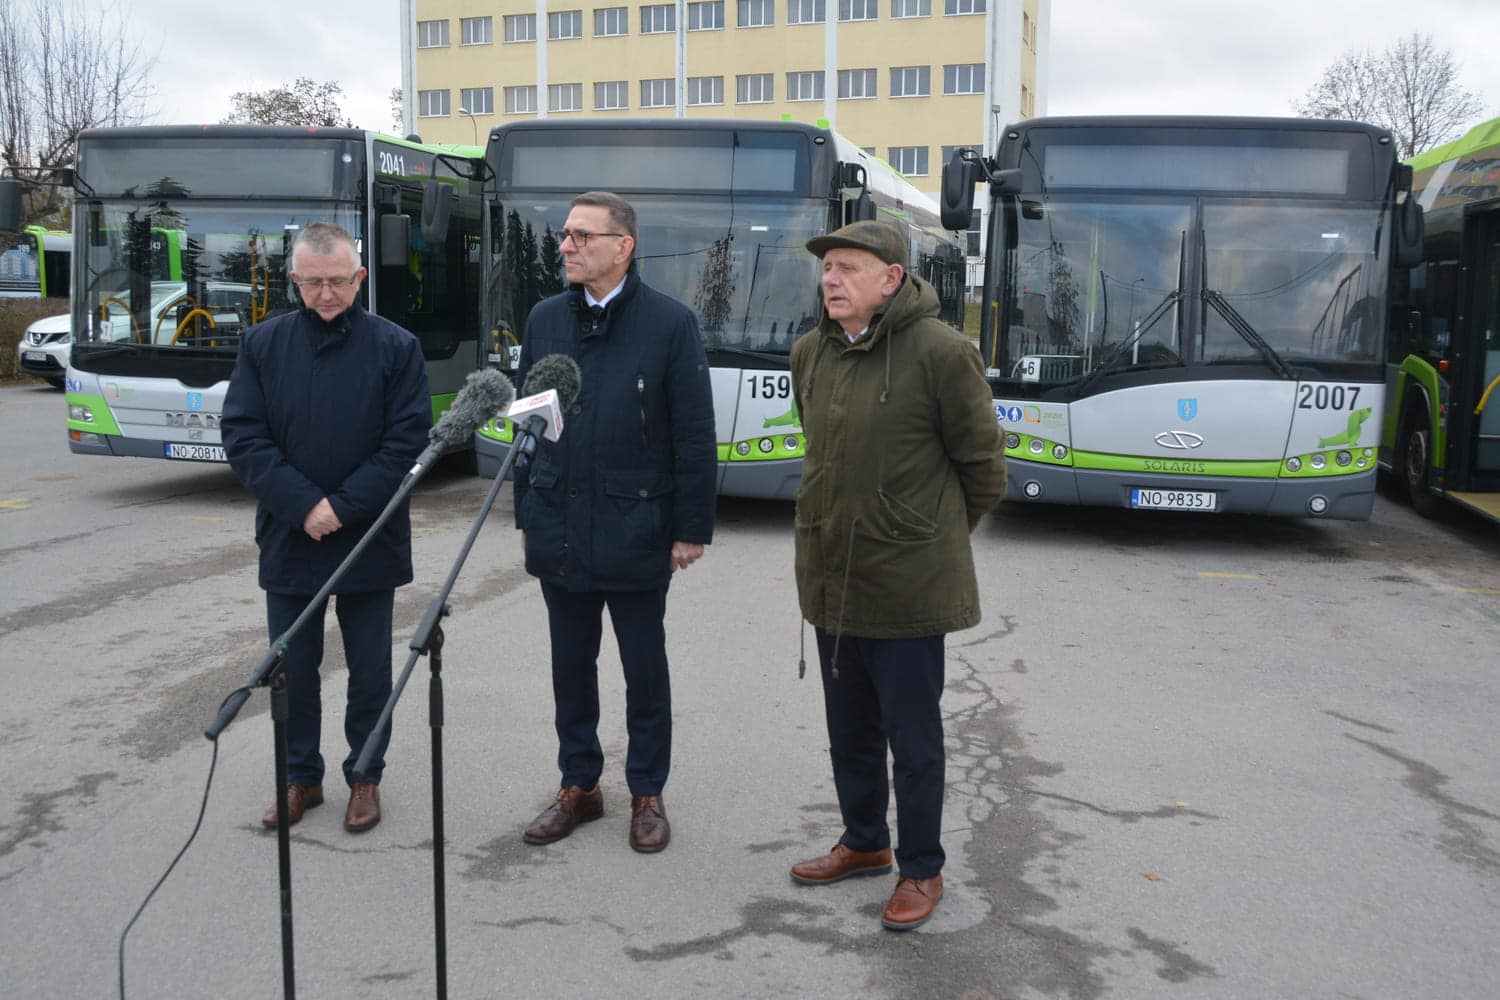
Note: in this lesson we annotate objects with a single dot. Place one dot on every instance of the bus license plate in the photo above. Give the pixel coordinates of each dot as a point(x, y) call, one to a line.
point(1174, 499)
point(196, 452)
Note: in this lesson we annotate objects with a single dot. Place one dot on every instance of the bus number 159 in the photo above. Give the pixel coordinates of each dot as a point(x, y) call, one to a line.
point(770, 386)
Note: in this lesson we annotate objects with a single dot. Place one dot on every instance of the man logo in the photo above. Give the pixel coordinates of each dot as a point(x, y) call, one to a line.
point(1179, 440)
point(1187, 409)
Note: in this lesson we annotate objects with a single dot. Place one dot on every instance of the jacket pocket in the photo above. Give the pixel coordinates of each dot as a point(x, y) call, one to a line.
point(898, 519)
point(641, 503)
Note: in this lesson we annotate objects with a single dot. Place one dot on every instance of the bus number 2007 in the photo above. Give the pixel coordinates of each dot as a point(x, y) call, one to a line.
point(770, 386)
point(1327, 397)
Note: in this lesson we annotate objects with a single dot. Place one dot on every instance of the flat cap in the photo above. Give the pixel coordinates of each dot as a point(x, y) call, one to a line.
point(880, 239)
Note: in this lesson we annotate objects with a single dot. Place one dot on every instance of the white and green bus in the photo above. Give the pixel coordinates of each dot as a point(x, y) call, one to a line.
point(1442, 419)
point(1189, 313)
point(725, 209)
point(181, 235)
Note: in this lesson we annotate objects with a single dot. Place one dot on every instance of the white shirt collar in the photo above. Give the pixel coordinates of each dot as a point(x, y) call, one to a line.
point(590, 300)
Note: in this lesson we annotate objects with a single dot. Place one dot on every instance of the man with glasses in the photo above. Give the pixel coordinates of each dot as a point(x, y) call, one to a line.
point(609, 511)
point(327, 409)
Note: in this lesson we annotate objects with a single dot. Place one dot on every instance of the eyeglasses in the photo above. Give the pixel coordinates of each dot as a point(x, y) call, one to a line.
point(581, 237)
point(318, 284)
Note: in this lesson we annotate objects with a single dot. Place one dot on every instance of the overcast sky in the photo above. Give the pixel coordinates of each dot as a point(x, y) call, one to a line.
point(1107, 56)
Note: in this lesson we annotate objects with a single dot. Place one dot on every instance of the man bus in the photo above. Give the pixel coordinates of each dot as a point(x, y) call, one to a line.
point(1441, 435)
point(725, 209)
point(181, 236)
point(1188, 313)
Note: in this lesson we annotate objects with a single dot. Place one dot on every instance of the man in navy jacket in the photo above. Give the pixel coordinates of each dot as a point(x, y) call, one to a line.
point(327, 409)
point(608, 512)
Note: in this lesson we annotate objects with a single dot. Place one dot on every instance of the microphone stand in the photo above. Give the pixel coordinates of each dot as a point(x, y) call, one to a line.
point(269, 673)
point(428, 638)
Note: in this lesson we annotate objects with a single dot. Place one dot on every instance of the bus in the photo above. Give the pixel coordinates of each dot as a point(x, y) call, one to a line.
point(1441, 436)
point(39, 265)
point(181, 236)
point(724, 209)
point(1187, 313)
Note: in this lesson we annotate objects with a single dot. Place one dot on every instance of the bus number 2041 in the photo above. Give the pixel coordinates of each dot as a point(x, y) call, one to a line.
point(1327, 397)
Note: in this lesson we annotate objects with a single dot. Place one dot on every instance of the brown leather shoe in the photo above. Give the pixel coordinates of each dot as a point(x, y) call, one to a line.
point(841, 863)
point(912, 903)
point(364, 807)
point(572, 806)
point(299, 799)
point(649, 829)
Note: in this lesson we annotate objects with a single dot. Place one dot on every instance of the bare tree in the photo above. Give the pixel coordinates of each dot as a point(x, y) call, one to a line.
point(398, 115)
point(304, 102)
point(1411, 88)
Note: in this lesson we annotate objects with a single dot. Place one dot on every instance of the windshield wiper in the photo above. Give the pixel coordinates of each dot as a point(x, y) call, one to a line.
point(1242, 326)
point(1117, 354)
point(743, 352)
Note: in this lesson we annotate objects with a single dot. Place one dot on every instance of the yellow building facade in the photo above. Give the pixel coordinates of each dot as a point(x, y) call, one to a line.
point(909, 80)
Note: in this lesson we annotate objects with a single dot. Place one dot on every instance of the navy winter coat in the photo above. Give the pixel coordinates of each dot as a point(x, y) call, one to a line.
point(320, 409)
point(634, 469)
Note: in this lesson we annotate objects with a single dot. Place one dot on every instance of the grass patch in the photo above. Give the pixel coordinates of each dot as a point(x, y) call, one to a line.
point(15, 316)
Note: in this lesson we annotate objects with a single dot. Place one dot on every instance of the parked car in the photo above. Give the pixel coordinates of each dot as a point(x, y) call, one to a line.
point(44, 348)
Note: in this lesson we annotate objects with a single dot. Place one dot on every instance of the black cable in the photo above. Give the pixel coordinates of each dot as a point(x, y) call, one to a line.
point(202, 808)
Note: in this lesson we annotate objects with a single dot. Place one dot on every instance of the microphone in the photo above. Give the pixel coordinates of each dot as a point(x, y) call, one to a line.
point(551, 387)
point(485, 393)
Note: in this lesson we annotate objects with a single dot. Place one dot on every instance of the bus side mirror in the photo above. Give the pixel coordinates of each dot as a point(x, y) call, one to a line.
point(959, 178)
point(437, 204)
point(395, 239)
point(860, 209)
point(1407, 232)
point(10, 205)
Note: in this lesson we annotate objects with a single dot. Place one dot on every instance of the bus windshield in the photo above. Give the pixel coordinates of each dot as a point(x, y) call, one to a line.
point(187, 274)
point(742, 266)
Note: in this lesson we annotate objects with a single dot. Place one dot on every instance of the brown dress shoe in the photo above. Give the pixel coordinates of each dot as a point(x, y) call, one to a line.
point(649, 829)
point(912, 903)
point(364, 807)
point(841, 863)
point(572, 806)
point(299, 798)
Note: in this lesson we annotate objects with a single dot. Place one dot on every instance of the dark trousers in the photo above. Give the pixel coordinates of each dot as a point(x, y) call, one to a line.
point(365, 623)
point(886, 695)
point(576, 623)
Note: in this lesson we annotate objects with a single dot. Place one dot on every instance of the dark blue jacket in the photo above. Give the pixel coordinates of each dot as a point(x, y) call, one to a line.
point(634, 469)
point(320, 409)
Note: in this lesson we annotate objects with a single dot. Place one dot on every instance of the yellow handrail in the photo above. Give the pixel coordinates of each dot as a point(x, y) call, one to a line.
point(135, 329)
point(188, 318)
point(1486, 397)
point(156, 330)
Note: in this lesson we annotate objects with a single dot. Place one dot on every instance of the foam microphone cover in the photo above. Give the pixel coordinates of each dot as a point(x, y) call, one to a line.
point(485, 393)
point(558, 372)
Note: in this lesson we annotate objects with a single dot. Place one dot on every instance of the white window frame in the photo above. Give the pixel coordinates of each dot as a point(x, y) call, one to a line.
point(479, 100)
point(962, 75)
point(961, 8)
point(606, 17)
point(756, 13)
point(703, 91)
point(914, 157)
point(520, 28)
point(755, 88)
point(659, 93)
point(564, 97)
point(918, 77)
point(434, 104)
point(481, 28)
point(426, 30)
point(858, 84)
point(559, 21)
point(859, 10)
point(659, 19)
point(911, 8)
point(520, 100)
point(710, 10)
point(611, 89)
point(806, 11)
point(812, 80)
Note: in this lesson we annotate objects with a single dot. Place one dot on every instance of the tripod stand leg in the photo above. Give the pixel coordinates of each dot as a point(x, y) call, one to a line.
point(439, 900)
point(279, 712)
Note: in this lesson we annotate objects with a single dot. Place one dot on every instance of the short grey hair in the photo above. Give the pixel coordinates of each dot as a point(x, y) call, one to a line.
point(621, 212)
point(323, 239)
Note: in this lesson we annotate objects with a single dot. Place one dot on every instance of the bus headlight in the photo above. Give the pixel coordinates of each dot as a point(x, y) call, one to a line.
point(1318, 461)
point(1318, 504)
point(1059, 451)
point(1294, 464)
point(1032, 489)
point(1012, 440)
point(790, 443)
point(80, 413)
point(1343, 458)
point(1036, 446)
point(766, 445)
point(742, 448)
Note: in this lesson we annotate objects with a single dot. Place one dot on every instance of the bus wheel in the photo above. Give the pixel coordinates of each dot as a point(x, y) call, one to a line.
point(1416, 462)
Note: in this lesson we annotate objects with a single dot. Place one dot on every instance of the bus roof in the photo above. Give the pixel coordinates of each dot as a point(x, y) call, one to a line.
point(1460, 172)
point(1481, 136)
point(284, 132)
point(1202, 122)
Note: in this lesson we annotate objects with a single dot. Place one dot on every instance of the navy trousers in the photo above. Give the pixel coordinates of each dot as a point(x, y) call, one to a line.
point(365, 623)
point(886, 696)
point(576, 623)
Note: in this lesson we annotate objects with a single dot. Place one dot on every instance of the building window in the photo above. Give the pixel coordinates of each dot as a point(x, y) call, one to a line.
point(611, 96)
point(659, 93)
point(859, 10)
point(565, 24)
point(432, 103)
point(477, 100)
point(610, 21)
point(705, 90)
point(975, 223)
point(706, 16)
point(949, 151)
point(658, 18)
point(565, 97)
point(804, 11)
point(911, 8)
point(477, 30)
point(520, 100)
point(804, 86)
point(754, 88)
point(855, 84)
point(963, 6)
point(911, 81)
point(909, 160)
point(757, 13)
point(964, 79)
point(432, 34)
point(520, 28)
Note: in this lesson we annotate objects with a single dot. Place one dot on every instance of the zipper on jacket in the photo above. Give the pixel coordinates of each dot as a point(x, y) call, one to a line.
point(640, 394)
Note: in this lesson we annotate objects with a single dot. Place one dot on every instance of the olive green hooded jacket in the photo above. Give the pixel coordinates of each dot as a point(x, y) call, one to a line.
point(903, 458)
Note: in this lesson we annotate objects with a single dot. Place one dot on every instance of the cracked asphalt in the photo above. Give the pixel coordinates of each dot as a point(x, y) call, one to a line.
point(1188, 756)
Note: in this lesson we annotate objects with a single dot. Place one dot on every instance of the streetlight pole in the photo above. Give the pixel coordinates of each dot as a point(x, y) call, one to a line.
point(473, 123)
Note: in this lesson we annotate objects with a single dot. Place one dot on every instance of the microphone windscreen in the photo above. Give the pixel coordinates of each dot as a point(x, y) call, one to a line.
point(485, 393)
point(555, 371)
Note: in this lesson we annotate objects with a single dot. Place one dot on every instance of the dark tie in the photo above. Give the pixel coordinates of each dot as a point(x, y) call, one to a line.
point(596, 314)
